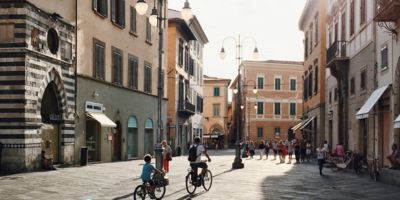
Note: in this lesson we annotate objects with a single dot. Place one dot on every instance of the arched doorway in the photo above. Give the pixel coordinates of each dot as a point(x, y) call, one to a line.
point(117, 142)
point(51, 115)
point(132, 138)
point(148, 137)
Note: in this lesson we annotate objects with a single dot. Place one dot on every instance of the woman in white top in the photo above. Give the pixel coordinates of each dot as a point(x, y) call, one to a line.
point(321, 154)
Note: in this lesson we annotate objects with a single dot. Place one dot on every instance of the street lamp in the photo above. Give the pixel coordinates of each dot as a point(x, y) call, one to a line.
point(237, 164)
point(156, 18)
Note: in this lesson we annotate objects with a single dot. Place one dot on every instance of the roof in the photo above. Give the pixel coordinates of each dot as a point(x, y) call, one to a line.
point(287, 62)
point(174, 16)
point(209, 78)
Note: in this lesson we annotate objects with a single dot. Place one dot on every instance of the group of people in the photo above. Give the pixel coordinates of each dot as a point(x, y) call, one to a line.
point(280, 149)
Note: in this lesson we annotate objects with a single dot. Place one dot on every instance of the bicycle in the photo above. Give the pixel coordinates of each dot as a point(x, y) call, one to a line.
point(374, 169)
point(193, 180)
point(145, 188)
point(339, 163)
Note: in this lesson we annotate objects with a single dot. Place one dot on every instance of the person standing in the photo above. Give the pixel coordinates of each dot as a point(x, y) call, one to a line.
point(251, 149)
point(297, 152)
point(290, 151)
point(167, 155)
point(302, 151)
point(275, 148)
point(321, 154)
point(261, 148)
point(308, 151)
point(267, 147)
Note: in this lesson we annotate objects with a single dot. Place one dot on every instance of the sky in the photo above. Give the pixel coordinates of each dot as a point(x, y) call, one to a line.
point(272, 23)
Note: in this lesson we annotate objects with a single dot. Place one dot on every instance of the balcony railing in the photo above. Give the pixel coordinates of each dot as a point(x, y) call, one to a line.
point(387, 10)
point(186, 108)
point(336, 51)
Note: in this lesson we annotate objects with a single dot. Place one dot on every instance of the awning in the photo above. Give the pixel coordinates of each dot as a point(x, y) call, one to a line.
point(210, 136)
point(102, 119)
point(371, 101)
point(307, 122)
point(397, 122)
point(297, 126)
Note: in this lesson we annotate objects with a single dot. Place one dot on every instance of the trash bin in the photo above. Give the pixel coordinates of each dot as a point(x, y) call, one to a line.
point(84, 156)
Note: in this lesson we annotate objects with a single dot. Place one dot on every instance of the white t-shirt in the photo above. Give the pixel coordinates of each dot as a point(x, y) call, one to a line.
point(200, 149)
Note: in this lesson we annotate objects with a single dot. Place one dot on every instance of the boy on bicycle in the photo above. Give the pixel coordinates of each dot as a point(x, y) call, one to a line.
point(148, 168)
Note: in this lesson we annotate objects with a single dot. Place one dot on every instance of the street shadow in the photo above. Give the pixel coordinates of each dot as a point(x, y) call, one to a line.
point(303, 181)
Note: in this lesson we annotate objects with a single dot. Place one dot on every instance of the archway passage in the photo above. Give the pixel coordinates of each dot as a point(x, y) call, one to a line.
point(51, 115)
point(132, 138)
point(149, 137)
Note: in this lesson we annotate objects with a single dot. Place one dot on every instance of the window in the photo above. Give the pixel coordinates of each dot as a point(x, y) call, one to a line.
point(116, 66)
point(363, 79)
point(310, 84)
point(216, 91)
point(148, 30)
point(147, 78)
point(311, 37)
point(277, 132)
point(180, 54)
point(277, 108)
point(352, 17)
point(316, 29)
point(292, 109)
point(306, 46)
point(216, 108)
point(118, 12)
point(293, 85)
point(260, 108)
point(66, 51)
point(133, 71)
point(343, 37)
point(98, 59)
point(316, 79)
point(191, 66)
point(186, 59)
point(336, 32)
point(133, 20)
point(384, 57)
point(260, 83)
point(260, 132)
point(305, 87)
point(363, 12)
point(100, 7)
point(352, 85)
point(330, 97)
point(335, 95)
point(277, 83)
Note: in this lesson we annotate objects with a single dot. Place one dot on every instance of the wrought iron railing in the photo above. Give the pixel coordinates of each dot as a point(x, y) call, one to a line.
point(336, 50)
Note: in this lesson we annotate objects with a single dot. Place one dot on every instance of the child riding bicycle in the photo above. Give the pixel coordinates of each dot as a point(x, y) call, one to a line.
point(147, 170)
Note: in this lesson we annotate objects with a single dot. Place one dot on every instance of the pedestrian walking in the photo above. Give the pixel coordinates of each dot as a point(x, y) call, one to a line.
point(267, 147)
point(297, 152)
point(290, 152)
point(167, 155)
point(261, 148)
point(275, 148)
point(308, 151)
point(321, 154)
point(302, 151)
point(252, 149)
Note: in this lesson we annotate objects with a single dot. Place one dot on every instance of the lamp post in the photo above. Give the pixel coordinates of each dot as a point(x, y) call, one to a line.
point(237, 164)
point(156, 18)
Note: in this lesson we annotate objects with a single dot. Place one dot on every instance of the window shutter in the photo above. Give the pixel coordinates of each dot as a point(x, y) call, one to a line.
point(105, 7)
point(122, 13)
point(94, 5)
point(102, 67)
point(113, 10)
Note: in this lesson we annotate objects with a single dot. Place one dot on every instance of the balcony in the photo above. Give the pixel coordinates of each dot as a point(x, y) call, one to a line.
point(387, 10)
point(336, 52)
point(185, 108)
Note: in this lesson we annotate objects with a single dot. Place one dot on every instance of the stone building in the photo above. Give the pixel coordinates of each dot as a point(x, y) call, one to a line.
point(312, 23)
point(271, 99)
point(216, 112)
point(117, 78)
point(38, 82)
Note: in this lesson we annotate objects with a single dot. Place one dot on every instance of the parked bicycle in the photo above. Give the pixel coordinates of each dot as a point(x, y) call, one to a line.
point(193, 180)
point(338, 163)
point(374, 169)
point(157, 191)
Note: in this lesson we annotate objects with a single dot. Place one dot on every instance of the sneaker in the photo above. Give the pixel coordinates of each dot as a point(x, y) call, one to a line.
point(152, 196)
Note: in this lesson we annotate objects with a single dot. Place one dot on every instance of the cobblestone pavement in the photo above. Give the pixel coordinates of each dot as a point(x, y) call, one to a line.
point(260, 179)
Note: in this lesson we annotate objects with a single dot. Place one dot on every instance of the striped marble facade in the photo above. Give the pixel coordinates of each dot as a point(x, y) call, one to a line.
point(27, 67)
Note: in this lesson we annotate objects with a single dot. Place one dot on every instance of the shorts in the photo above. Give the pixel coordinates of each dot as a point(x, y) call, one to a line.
point(194, 166)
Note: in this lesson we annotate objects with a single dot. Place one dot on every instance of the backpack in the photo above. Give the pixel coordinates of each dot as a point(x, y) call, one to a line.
point(193, 153)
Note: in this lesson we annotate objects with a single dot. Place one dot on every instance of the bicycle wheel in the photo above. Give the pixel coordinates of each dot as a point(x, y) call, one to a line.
point(159, 191)
point(190, 186)
point(207, 180)
point(139, 193)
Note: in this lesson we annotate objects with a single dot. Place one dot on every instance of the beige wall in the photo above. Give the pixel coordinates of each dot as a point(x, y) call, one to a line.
point(65, 8)
point(91, 25)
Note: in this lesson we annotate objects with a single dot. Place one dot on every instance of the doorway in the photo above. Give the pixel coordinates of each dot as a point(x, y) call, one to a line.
point(51, 115)
point(132, 138)
point(93, 131)
point(117, 142)
point(149, 137)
